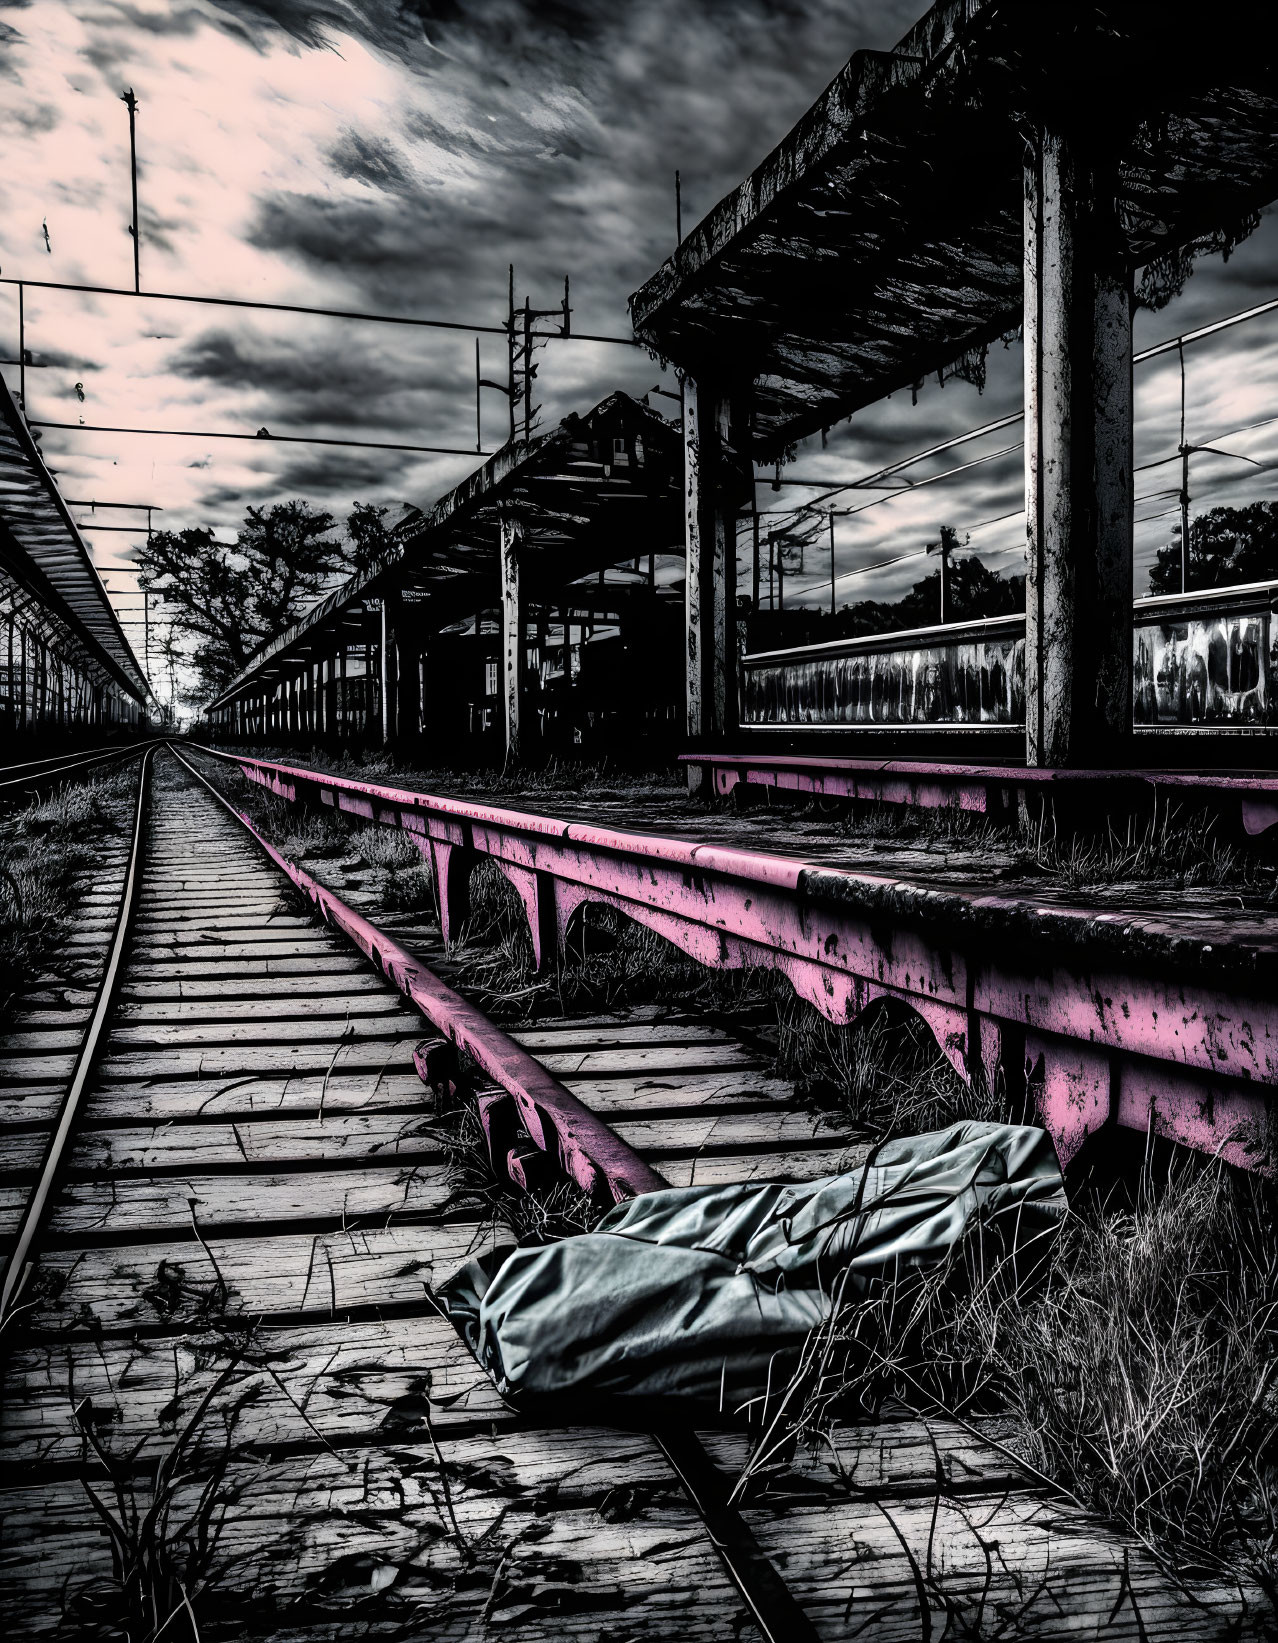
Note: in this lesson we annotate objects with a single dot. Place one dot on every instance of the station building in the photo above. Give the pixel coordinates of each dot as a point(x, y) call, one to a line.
point(534, 610)
point(1005, 170)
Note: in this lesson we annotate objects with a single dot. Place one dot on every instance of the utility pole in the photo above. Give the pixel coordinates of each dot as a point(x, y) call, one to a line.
point(832, 566)
point(678, 211)
point(479, 382)
point(754, 564)
point(131, 103)
point(949, 541)
point(1184, 480)
point(521, 341)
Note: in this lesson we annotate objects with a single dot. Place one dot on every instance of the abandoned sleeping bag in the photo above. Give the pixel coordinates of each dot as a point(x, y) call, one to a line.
point(708, 1292)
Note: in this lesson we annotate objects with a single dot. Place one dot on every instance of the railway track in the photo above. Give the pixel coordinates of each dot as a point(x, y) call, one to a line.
point(230, 1405)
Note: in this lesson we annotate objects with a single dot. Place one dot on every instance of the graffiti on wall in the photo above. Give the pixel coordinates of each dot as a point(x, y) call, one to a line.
point(1189, 667)
point(965, 681)
point(1208, 669)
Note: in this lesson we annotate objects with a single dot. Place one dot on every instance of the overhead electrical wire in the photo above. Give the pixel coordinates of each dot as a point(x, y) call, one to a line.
point(931, 479)
point(868, 481)
point(263, 436)
point(864, 482)
point(321, 313)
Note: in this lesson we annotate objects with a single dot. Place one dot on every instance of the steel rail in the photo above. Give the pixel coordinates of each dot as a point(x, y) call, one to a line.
point(592, 1153)
point(21, 1258)
point(554, 1117)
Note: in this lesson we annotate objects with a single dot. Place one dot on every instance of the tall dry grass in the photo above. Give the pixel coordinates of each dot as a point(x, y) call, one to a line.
point(1136, 1357)
point(45, 847)
point(885, 1072)
point(610, 962)
point(1142, 1374)
point(1176, 845)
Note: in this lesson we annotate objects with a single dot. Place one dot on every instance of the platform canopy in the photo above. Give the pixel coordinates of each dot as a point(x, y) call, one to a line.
point(881, 240)
point(595, 491)
point(42, 549)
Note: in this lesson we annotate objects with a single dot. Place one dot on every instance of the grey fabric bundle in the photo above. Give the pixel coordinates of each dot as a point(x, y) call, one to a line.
point(700, 1292)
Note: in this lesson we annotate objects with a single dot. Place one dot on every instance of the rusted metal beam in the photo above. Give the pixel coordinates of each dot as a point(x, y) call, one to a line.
point(1101, 1014)
point(710, 558)
point(514, 655)
point(1078, 459)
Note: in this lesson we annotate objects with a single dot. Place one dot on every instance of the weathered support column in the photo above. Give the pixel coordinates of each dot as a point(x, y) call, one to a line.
point(711, 569)
point(514, 665)
point(390, 667)
point(1078, 460)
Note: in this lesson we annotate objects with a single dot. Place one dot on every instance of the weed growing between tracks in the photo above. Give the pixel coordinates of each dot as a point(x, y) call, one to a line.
point(44, 848)
point(539, 1216)
point(164, 1533)
point(332, 846)
point(610, 963)
point(885, 1071)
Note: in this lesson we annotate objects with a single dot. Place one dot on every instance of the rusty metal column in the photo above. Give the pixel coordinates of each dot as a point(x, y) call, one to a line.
point(1078, 460)
point(711, 571)
point(390, 667)
point(514, 659)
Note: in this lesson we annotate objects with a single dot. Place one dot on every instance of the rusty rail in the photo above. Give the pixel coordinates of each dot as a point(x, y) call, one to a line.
point(18, 1265)
point(587, 1148)
point(1148, 1020)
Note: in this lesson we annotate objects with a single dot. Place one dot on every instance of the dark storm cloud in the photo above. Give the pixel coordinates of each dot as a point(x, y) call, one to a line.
point(10, 37)
point(366, 159)
point(35, 121)
point(358, 385)
point(337, 473)
point(243, 358)
point(178, 20)
point(569, 120)
point(382, 243)
point(60, 360)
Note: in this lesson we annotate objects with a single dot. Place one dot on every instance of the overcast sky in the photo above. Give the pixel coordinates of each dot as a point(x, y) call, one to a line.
point(398, 157)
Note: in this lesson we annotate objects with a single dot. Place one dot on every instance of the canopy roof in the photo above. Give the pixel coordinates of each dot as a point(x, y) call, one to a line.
point(596, 490)
point(882, 238)
point(43, 550)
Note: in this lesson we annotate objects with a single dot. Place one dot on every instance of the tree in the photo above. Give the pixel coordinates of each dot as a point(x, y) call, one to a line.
point(367, 536)
point(226, 599)
point(972, 591)
point(1226, 546)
